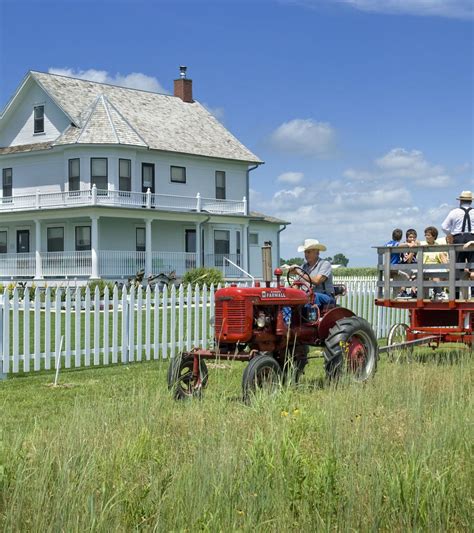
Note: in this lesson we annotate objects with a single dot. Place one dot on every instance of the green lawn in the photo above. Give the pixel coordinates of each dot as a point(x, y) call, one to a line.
point(113, 452)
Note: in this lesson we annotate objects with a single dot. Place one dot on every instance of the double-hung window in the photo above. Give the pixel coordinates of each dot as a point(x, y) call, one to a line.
point(7, 183)
point(99, 173)
point(38, 113)
point(83, 238)
point(178, 174)
point(74, 174)
point(55, 239)
point(221, 246)
point(141, 240)
point(220, 184)
point(125, 175)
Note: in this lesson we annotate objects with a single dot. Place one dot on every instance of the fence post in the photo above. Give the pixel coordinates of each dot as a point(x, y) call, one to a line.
point(3, 375)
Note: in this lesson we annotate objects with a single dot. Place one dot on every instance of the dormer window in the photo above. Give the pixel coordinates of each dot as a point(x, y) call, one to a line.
point(39, 119)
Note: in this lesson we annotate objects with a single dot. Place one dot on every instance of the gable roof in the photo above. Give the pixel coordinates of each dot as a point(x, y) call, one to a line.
point(108, 114)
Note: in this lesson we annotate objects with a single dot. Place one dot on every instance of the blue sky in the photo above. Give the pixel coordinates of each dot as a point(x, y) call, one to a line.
point(361, 109)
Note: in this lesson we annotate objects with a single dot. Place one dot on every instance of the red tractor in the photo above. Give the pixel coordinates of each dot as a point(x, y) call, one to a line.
point(272, 328)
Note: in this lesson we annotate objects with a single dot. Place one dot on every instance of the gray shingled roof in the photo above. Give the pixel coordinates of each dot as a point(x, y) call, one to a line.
point(261, 217)
point(107, 114)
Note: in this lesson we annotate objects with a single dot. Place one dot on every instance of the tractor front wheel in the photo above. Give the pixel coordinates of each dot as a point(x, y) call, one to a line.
point(351, 349)
point(263, 372)
point(181, 380)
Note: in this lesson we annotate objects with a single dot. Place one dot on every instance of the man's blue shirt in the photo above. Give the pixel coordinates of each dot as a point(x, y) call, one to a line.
point(395, 259)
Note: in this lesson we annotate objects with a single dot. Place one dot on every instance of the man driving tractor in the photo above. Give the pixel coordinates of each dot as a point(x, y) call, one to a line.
point(319, 270)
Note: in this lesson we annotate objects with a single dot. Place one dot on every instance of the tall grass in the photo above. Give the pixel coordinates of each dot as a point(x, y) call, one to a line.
point(113, 451)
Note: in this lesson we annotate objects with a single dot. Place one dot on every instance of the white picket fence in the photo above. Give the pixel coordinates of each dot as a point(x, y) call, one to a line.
point(125, 327)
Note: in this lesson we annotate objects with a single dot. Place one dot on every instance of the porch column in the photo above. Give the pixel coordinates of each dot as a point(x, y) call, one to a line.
point(245, 248)
point(198, 245)
point(95, 247)
point(148, 262)
point(38, 263)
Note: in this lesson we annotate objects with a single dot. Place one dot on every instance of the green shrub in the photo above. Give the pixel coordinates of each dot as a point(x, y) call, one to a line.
point(101, 284)
point(202, 275)
point(354, 271)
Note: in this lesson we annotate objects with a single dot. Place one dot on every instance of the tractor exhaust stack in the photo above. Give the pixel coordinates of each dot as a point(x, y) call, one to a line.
point(267, 271)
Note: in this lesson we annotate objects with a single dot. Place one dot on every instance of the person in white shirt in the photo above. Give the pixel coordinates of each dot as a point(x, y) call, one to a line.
point(459, 228)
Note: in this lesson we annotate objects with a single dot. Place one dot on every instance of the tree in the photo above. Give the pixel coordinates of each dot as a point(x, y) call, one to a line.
point(340, 259)
point(292, 261)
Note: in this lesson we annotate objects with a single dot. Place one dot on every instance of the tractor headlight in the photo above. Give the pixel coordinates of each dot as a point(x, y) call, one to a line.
point(261, 321)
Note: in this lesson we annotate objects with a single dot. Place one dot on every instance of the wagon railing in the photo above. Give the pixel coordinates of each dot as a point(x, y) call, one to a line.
point(451, 275)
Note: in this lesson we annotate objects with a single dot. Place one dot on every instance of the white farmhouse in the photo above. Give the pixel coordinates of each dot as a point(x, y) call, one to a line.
point(99, 181)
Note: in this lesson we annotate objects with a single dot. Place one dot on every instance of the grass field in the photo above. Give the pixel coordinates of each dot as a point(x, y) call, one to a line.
point(111, 451)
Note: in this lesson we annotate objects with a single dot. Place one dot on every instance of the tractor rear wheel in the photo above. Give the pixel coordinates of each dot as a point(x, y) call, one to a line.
point(181, 380)
point(263, 372)
point(351, 349)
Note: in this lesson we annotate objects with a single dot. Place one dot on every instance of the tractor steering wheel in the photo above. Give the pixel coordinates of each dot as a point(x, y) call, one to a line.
point(300, 279)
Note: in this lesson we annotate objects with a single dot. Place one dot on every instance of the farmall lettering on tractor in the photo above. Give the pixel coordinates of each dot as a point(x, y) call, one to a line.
point(272, 328)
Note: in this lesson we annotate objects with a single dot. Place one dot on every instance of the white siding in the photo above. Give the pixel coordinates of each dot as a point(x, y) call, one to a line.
point(18, 128)
point(40, 170)
point(48, 171)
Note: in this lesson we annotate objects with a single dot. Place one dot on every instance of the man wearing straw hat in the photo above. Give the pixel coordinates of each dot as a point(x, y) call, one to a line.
point(459, 227)
point(319, 270)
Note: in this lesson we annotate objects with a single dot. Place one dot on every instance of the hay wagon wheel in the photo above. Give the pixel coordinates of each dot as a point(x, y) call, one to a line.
point(396, 336)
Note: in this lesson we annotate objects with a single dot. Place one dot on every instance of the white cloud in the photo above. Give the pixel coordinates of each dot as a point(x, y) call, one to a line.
point(437, 8)
point(412, 164)
point(291, 177)
point(304, 137)
point(217, 112)
point(359, 175)
point(460, 9)
point(401, 165)
point(135, 80)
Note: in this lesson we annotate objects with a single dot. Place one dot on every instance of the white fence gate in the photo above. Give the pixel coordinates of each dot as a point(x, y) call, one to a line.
point(125, 327)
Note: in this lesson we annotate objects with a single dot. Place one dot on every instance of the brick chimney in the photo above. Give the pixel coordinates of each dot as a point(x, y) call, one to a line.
point(183, 88)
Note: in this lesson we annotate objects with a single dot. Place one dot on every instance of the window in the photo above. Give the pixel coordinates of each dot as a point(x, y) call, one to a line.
point(7, 180)
point(253, 239)
point(148, 177)
point(125, 175)
point(141, 240)
point(74, 174)
point(190, 241)
point(3, 242)
point(178, 174)
point(83, 238)
point(220, 184)
point(237, 246)
point(38, 112)
point(22, 241)
point(55, 239)
point(221, 246)
point(99, 173)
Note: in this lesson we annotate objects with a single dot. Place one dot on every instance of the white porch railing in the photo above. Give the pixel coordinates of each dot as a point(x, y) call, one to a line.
point(17, 265)
point(217, 261)
point(66, 264)
point(140, 200)
point(120, 264)
point(180, 262)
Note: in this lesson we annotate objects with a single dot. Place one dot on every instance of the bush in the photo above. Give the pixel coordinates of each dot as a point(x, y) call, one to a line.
point(101, 284)
point(202, 275)
point(354, 271)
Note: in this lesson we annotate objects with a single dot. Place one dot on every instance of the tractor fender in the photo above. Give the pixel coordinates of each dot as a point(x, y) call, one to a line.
point(330, 318)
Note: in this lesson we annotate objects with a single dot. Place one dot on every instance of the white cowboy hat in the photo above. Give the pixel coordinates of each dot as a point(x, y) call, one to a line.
point(311, 244)
point(466, 196)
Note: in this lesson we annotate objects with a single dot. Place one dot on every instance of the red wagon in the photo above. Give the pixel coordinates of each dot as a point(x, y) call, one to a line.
point(431, 320)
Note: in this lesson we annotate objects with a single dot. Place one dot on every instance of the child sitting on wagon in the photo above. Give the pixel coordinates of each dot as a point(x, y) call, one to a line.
point(433, 258)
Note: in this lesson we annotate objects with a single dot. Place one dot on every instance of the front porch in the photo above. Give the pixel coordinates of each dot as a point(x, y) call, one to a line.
point(111, 264)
